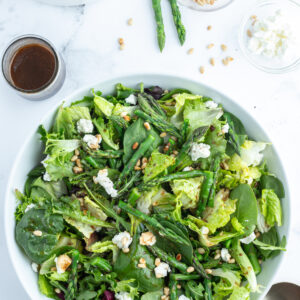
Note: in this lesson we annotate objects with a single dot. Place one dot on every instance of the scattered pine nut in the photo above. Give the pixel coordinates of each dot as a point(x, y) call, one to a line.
point(142, 260)
point(136, 168)
point(147, 126)
point(223, 47)
point(37, 233)
point(201, 250)
point(157, 262)
point(190, 51)
point(217, 256)
point(209, 46)
point(230, 58)
point(166, 291)
point(125, 250)
point(225, 61)
point(144, 160)
point(202, 69)
point(179, 286)
point(190, 269)
point(163, 134)
point(122, 47)
point(121, 41)
point(142, 266)
point(53, 269)
point(209, 27)
point(74, 157)
point(231, 261)
point(127, 118)
point(178, 257)
point(57, 291)
point(135, 145)
point(77, 170)
point(76, 152)
point(208, 271)
point(249, 33)
point(212, 61)
point(130, 22)
point(78, 163)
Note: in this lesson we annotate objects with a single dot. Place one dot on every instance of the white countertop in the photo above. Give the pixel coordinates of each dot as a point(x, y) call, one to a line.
point(87, 36)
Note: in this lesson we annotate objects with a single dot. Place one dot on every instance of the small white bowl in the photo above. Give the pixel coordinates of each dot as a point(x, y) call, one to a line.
point(31, 154)
point(207, 7)
point(261, 10)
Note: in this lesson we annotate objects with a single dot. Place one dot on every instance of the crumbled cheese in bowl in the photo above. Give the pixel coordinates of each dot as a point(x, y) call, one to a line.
point(272, 36)
point(85, 126)
point(122, 240)
point(199, 151)
point(162, 270)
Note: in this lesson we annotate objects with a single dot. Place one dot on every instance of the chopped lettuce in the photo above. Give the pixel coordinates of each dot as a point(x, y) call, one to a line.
point(128, 287)
point(188, 191)
point(270, 207)
point(219, 215)
point(157, 164)
point(199, 115)
point(240, 293)
point(67, 117)
point(246, 174)
point(245, 264)
point(86, 229)
point(107, 132)
point(229, 281)
point(102, 106)
point(102, 247)
point(180, 99)
point(250, 152)
point(119, 109)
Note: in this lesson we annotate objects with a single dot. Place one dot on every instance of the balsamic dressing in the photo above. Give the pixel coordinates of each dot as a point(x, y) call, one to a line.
point(32, 67)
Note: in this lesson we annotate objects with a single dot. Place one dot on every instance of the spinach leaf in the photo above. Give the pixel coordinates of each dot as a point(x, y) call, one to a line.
point(136, 132)
point(271, 182)
point(246, 207)
point(126, 267)
point(271, 238)
point(236, 135)
point(39, 248)
point(32, 175)
point(152, 295)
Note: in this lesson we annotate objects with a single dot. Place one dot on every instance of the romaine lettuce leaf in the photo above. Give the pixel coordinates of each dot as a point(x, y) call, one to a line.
point(229, 281)
point(245, 264)
point(199, 115)
point(180, 99)
point(102, 106)
point(102, 247)
point(127, 286)
point(219, 215)
point(270, 207)
point(246, 174)
point(107, 132)
point(119, 108)
point(250, 152)
point(187, 190)
point(157, 163)
point(240, 293)
point(67, 117)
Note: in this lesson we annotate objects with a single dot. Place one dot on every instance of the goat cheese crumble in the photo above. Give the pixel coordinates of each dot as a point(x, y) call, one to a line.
point(46, 176)
point(199, 151)
point(183, 297)
point(273, 37)
point(248, 239)
point(85, 126)
point(122, 240)
point(123, 296)
point(29, 207)
point(103, 179)
point(34, 267)
point(204, 230)
point(131, 99)
point(225, 254)
point(225, 128)
point(162, 270)
point(91, 140)
point(211, 104)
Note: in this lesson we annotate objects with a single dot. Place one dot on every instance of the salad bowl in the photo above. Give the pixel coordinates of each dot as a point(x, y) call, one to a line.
point(30, 155)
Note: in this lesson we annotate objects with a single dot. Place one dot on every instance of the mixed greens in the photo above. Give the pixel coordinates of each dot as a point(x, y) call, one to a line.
point(149, 194)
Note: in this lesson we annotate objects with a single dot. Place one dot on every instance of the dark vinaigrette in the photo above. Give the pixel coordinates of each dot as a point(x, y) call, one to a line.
point(32, 67)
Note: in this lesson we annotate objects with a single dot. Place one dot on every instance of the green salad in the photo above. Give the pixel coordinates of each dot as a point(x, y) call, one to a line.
point(149, 194)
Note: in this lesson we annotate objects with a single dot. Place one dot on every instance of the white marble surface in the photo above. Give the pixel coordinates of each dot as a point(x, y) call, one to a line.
point(87, 36)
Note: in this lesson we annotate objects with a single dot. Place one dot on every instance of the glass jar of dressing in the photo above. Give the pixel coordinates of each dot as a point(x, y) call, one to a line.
point(33, 67)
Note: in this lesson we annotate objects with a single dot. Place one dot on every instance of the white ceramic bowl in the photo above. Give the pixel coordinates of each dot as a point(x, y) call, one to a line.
point(30, 155)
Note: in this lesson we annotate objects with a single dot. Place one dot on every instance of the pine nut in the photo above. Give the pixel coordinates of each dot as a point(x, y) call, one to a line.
point(78, 163)
point(202, 69)
point(166, 291)
point(208, 271)
point(178, 257)
point(125, 250)
point(121, 41)
point(130, 21)
point(212, 61)
point(157, 262)
point(190, 269)
point(76, 152)
point(37, 233)
point(147, 126)
point(209, 27)
point(210, 46)
point(163, 134)
point(135, 145)
point(127, 118)
point(74, 157)
point(223, 47)
point(77, 170)
point(190, 51)
point(201, 250)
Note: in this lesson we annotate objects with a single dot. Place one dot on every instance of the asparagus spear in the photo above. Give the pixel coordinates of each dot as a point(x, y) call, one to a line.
point(173, 289)
point(165, 232)
point(156, 107)
point(156, 251)
point(177, 21)
point(72, 286)
point(215, 168)
point(207, 287)
point(204, 194)
point(198, 267)
point(143, 148)
point(184, 277)
point(129, 184)
point(161, 37)
point(159, 123)
point(252, 255)
point(179, 175)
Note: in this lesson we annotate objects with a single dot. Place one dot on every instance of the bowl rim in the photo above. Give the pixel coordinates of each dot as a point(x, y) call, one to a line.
point(10, 241)
point(208, 10)
point(250, 11)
